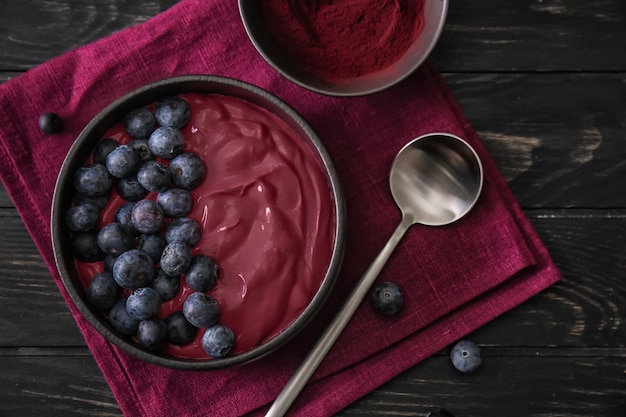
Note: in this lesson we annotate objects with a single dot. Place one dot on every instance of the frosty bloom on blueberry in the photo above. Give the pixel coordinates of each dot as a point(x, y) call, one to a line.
point(143, 303)
point(176, 258)
point(166, 142)
point(102, 291)
point(115, 238)
point(167, 286)
point(130, 189)
point(183, 229)
point(123, 161)
point(92, 180)
point(82, 217)
point(133, 269)
point(154, 176)
point(172, 112)
point(201, 310)
point(465, 356)
point(151, 333)
point(218, 340)
point(187, 171)
point(147, 216)
point(139, 123)
point(175, 202)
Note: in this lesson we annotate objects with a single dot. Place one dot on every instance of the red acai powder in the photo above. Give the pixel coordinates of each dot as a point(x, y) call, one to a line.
point(339, 39)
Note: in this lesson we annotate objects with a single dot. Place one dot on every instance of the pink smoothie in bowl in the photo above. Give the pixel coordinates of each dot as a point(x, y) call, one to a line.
point(268, 208)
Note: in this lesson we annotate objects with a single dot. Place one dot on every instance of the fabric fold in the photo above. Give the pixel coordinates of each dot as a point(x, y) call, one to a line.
point(456, 278)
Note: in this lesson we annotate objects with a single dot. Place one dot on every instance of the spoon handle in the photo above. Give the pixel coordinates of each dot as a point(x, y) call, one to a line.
point(306, 369)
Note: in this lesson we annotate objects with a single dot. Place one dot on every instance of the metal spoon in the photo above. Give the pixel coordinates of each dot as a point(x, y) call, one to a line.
point(435, 180)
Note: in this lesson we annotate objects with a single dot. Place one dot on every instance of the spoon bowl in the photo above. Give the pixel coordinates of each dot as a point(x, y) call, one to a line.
point(435, 180)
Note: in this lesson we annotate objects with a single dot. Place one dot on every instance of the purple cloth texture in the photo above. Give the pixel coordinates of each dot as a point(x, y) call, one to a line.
point(455, 278)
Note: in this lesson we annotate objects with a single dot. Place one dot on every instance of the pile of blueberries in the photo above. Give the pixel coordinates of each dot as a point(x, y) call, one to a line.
point(148, 248)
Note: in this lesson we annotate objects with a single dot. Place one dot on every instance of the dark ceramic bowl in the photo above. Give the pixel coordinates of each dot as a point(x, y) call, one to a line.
point(434, 13)
point(111, 116)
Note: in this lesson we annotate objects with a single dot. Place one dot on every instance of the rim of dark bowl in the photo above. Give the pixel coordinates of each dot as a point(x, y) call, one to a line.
point(113, 114)
point(281, 62)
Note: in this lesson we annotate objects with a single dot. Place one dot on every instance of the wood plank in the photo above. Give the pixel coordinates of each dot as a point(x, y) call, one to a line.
point(34, 33)
point(572, 35)
point(557, 138)
point(54, 386)
point(5, 200)
point(576, 35)
point(34, 313)
point(572, 385)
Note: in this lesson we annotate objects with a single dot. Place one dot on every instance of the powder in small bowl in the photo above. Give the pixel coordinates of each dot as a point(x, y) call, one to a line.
point(343, 39)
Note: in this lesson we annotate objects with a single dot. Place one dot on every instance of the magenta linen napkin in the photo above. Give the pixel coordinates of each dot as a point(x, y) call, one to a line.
point(455, 278)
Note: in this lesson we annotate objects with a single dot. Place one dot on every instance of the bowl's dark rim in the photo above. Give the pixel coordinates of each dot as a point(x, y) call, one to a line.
point(111, 115)
point(252, 19)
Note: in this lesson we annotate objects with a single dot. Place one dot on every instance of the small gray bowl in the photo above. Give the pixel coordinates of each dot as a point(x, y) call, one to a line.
point(113, 114)
point(435, 13)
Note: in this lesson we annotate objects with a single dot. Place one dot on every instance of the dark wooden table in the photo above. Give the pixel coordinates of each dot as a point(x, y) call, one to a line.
point(544, 84)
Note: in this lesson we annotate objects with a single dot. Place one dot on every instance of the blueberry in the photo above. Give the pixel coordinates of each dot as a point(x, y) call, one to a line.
point(187, 171)
point(92, 180)
point(175, 202)
point(121, 321)
point(172, 111)
point(387, 298)
point(142, 147)
point(103, 149)
point(183, 229)
point(176, 258)
point(143, 303)
point(465, 356)
point(151, 333)
point(123, 161)
point(154, 176)
point(166, 142)
point(166, 285)
point(99, 201)
point(133, 269)
point(139, 123)
point(203, 273)
point(122, 215)
point(85, 245)
point(201, 309)
point(109, 261)
point(130, 189)
point(152, 244)
point(115, 238)
point(147, 216)
point(102, 291)
point(440, 413)
point(179, 331)
point(218, 341)
point(82, 218)
point(50, 123)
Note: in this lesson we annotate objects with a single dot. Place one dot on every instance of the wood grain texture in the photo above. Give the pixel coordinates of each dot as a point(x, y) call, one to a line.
point(34, 31)
point(527, 385)
point(543, 82)
point(533, 36)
